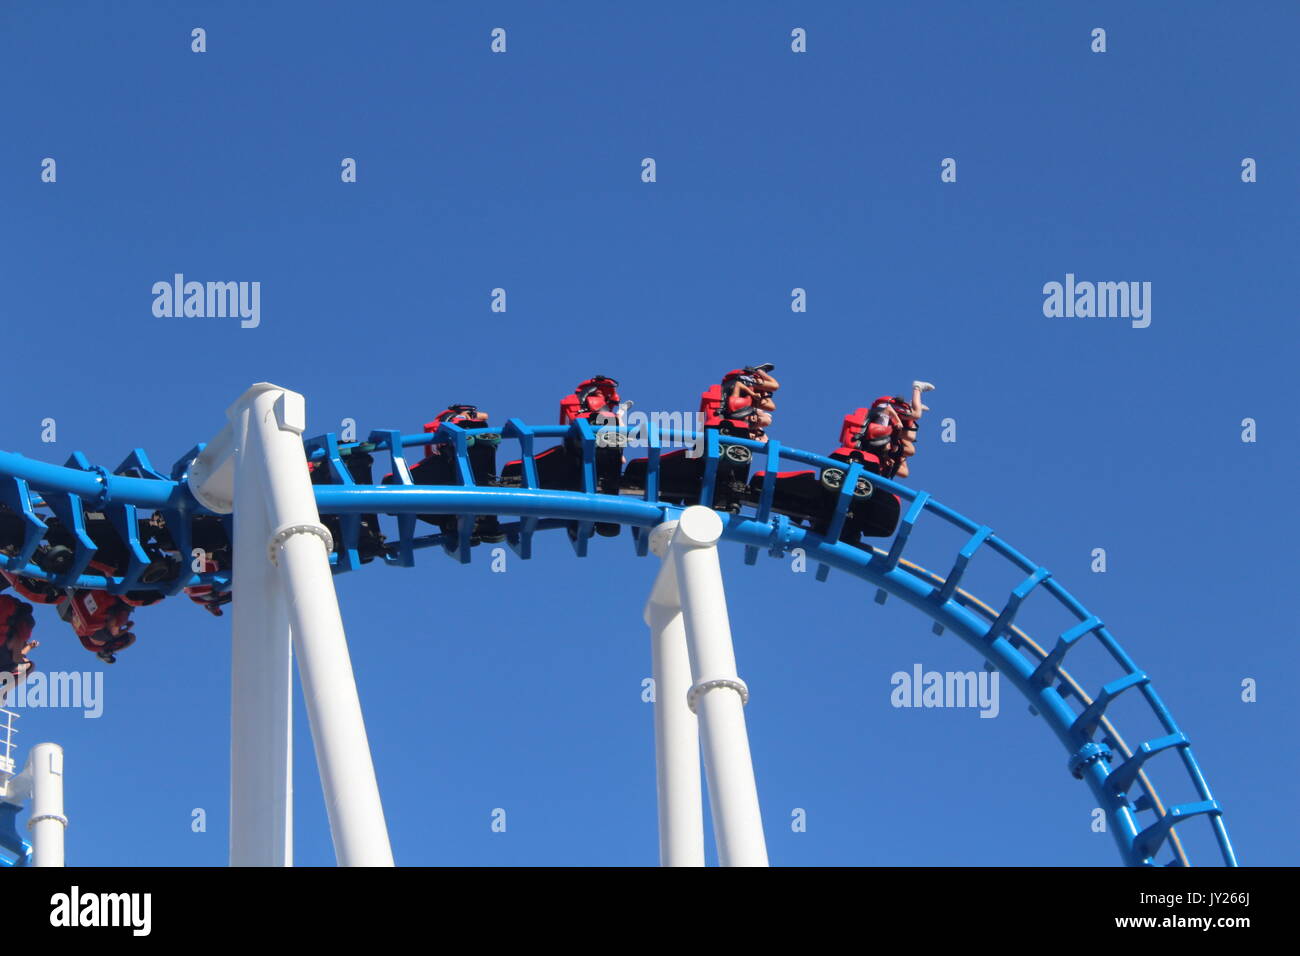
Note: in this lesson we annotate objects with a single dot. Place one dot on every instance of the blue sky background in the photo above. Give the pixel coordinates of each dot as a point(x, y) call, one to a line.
point(522, 690)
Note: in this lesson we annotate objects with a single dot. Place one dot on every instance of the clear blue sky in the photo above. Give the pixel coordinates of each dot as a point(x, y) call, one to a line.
point(775, 170)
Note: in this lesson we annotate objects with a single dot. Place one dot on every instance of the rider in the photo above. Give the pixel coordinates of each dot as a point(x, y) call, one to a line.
point(101, 621)
point(884, 436)
point(597, 400)
point(439, 465)
point(16, 625)
point(745, 404)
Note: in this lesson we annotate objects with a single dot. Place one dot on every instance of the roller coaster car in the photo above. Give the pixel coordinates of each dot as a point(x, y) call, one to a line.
point(110, 550)
point(810, 497)
point(560, 469)
point(370, 540)
point(595, 400)
point(207, 533)
point(681, 474)
point(439, 467)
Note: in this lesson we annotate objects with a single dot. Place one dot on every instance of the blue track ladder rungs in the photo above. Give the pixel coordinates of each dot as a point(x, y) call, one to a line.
point(1007, 616)
point(1147, 843)
point(1122, 777)
point(905, 526)
point(1045, 673)
point(1086, 722)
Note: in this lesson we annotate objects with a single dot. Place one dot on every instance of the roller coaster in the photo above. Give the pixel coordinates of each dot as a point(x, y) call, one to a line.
point(351, 503)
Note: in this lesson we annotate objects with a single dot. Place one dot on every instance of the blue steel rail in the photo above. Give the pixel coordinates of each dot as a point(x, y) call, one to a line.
point(1117, 774)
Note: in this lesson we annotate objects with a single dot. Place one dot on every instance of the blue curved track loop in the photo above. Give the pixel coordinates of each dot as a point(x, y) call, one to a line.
point(1116, 773)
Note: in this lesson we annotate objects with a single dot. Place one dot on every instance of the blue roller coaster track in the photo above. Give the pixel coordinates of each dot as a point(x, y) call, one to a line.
point(1118, 774)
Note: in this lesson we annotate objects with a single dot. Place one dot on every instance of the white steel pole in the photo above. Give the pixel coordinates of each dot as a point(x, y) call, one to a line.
point(47, 822)
point(717, 695)
point(261, 684)
point(677, 742)
point(299, 544)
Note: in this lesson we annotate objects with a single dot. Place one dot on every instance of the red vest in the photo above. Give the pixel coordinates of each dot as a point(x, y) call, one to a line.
point(93, 610)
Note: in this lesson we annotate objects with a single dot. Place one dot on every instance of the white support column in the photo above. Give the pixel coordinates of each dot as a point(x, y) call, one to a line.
point(282, 586)
point(46, 822)
point(677, 742)
point(299, 545)
point(261, 685)
point(718, 695)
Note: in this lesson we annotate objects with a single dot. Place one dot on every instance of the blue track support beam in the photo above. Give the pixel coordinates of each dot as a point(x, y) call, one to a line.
point(767, 495)
point(70, 511)
point(127, 525)
point(182, 466)
point(347, 553)
point(905, 526)
point(842, 502)
point(967, 552)
point(712, 449)
point(16, 495)
point(654, 453)
point(390, 440)
point(137, 465)
point(521, 541)
point(583, 434)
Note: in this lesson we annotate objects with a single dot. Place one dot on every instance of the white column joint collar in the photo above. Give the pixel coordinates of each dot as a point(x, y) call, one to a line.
point(287, 531)
point(47, 816)
point(704, 686)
